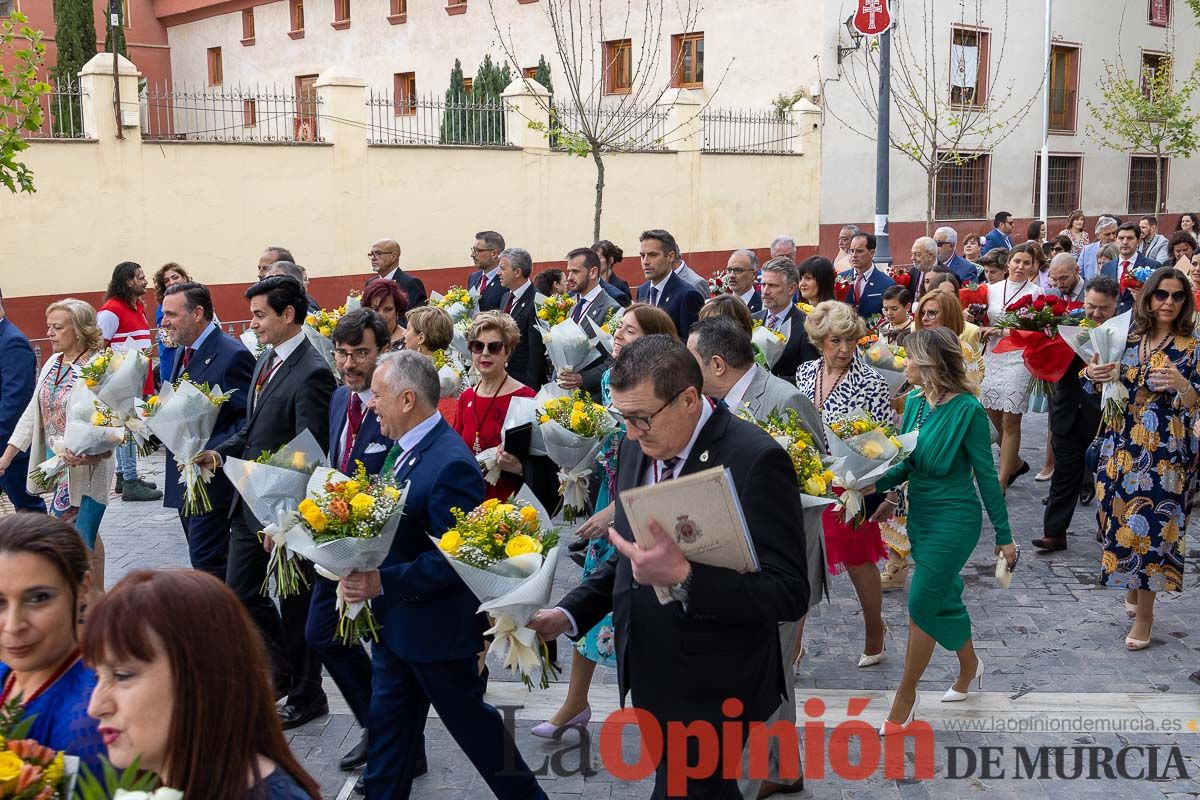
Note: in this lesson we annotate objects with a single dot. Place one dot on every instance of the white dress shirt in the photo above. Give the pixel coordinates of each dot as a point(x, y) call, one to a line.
point(733, 398)
point(748, 296)
point(414, 437)
point(283, 352)
point(589, 298)
point(784, 325)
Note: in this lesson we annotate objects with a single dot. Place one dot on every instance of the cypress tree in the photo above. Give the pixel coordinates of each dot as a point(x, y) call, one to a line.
point(542, 75)
point(75, 36)
point(454, 115)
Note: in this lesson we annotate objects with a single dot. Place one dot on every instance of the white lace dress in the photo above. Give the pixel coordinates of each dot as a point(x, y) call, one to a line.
point(1005, 384)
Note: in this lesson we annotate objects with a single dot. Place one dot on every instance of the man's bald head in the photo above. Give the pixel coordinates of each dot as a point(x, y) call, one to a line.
point(1064, 272)
point(385, 256)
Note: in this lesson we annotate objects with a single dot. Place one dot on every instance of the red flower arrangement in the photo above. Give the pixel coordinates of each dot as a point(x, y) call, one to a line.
point(973, 299)
point(901, 276)
point(1032, 323)
point(841, 288)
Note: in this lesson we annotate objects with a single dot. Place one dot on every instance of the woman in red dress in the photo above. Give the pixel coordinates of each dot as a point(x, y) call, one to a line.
point(482, 408)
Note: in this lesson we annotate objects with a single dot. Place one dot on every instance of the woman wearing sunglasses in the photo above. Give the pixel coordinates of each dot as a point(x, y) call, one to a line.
point(1146, 477)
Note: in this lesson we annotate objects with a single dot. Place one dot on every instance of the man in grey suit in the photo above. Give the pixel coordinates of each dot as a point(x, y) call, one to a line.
point(592, 303)
point(726, 358)
point(780, 279)
point(689, 275)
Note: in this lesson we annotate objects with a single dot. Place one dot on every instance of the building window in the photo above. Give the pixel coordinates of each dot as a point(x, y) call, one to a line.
point(456, 7)
point(249, 113)
point(341, 14)
point(397, 11)
point(405, 93)
point(1160, 13)
point(1064, 88)
point(530, 72)
point(6, 8)
point(1142, 186)
point(248, 26)
point(297, 12)
point(126, 20)
point(1065, 173)
point(306, 108)
point(618, 66)
point(687, 58)
point(961, 188)
point(969, 49)
point(215, 72)
point(468, 84)
point(1155, 68)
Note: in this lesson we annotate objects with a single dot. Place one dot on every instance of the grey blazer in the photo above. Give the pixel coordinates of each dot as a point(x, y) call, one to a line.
point(688, 275)
point(767, 393)
point(599, 309)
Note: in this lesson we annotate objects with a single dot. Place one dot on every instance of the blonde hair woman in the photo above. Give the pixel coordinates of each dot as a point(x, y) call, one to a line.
point(81, 494)
point(945, 518)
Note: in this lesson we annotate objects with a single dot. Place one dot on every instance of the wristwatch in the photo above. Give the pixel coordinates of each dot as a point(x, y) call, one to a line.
point(679, 591)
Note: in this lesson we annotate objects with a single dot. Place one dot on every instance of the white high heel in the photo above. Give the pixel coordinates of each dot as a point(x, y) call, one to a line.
point(889, 728)
point(871, 660)
point(954, 696)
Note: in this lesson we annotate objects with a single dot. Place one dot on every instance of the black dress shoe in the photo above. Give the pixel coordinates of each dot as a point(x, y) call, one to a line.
point(360, 786)
point(356, 757)
point(1086, 495)
point(1050, 544)
point(293, 716)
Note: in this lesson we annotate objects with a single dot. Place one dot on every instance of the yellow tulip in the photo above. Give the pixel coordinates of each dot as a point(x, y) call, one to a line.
point(391, 493)
point(307, 506)
point(506, 508)
point(152, 400)
point(872, 449)
point(578, 418)
point(325, 331)
point(310, 320)
point(350, 488)
point(316, 519)
point(521, 545)
point(450, 542)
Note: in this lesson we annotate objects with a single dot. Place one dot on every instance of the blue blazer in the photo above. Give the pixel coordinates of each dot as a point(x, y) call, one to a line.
point(995, 239)
point(368, 435)
point(427, 613)
point(492, 296)
point(679, 299)
point(871, 302)
point(221, 360)
point(1111, 270)
point(18, 376)
point(965, 270)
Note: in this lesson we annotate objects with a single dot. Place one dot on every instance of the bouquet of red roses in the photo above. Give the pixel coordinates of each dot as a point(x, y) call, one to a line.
point(901, 276)
point(973, 299)
point(1032, 325)
point(841, 287)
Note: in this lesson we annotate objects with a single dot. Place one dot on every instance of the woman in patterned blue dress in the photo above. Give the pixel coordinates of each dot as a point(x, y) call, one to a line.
point(44, 582)
point(1147, 474)
point(597, 646)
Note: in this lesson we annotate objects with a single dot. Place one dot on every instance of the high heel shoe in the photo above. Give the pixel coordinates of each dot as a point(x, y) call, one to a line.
point(952, 695)
point(889, 728)
point(799, 657)
point(548, 730)
point(866, 660)
point(1132, 644)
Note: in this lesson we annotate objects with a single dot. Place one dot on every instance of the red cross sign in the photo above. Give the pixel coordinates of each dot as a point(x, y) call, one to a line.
point(872, 17)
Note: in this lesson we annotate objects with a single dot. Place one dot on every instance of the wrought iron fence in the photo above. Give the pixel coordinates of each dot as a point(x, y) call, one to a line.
point(736, 131)
point(621, 129)
point(235, 114)
point(62, 113)
point(431, 120)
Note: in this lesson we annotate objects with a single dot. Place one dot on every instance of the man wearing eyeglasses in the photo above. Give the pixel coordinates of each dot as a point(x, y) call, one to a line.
point(1128, 259)
point(742, 269)
point(385, 262)
point(718, 639)
point(485, 254)
point(1001, 233)
point(841, 262)
point(946, 239)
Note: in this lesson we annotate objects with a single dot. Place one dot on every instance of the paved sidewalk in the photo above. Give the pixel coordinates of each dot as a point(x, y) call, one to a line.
point(1052, 646)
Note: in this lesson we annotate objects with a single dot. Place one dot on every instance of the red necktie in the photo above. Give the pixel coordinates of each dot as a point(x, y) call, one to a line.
point(1124, 269)
point(267, 371)
point(508, 304)
point(188, 352)
point(483, 282)
point(354, 418)
point(858, 289)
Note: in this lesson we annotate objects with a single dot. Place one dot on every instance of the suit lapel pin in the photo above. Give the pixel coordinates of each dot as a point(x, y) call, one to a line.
point(411, 462)
point(704, 457)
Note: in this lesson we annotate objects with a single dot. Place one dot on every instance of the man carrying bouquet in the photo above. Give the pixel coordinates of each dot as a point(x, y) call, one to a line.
point(718, 639)
point(430, 633)
point(206, 355)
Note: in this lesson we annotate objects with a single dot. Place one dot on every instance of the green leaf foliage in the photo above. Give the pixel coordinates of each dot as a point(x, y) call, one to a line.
point(21, 90)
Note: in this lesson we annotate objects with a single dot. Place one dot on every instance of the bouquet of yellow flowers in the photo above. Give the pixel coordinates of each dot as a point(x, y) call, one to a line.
point(347, 525)
point(452, 373)
point(863, 449)
point(807, 308)
point(29, 770)
point(573, 430)
point(555, 309)
point(458, 302)
point(117, 378)
point(91, 430)
point(812, 476)
point(506, 554)
point(889, 360)
point(273, 485)
point(768, 344)
point(318, 329)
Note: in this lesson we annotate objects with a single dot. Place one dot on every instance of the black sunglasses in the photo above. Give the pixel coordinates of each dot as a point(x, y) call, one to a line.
point(493, 348)
point(1162, 295)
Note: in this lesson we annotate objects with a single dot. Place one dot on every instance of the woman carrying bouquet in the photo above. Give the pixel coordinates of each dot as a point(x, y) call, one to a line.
point(80, 494)
point(1146, 477)
point(840, 383)
point(44, 587)
point(1005, 388)
point(200, 717)
point(386, 297)
point(597, 646)
point(952, 455)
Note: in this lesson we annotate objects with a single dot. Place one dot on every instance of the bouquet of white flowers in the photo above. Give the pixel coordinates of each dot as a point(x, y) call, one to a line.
point(1108, 341)
point(249, 340)
point(889, 360)
point(863, 450)
point(91, 430)
point(769, 344)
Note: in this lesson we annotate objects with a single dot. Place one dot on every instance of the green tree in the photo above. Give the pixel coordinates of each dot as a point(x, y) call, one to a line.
point(75, 36)
point(453, 129)
point(21, 92)
point(542, 75)
point(485, 121)
point(1152, 114)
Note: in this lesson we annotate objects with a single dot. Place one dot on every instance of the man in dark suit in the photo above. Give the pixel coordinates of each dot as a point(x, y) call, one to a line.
point(206, 354)
point(528, 360)
point(485, 253)
point(1000, 235)
point(1074, 422)
point(593, 304)
point(385, 261)
point(867, 282)
point(291, 389)
point(430, 634)
point(742, 272)
point(780, 280)
point(719, 638)
point(18, 374)
point(946, 239)
point(663, 288)
point(1128, 259)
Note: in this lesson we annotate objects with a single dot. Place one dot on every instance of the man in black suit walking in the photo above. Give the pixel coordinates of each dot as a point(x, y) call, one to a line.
point(485, 253)
point(718, 640)
point(780, 278)
point(385, 261)
point(1074, 422)
point(290, 392)
point(663, 288)
point(528, 360)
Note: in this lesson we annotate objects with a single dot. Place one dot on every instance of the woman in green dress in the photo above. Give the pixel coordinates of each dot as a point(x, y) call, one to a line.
point(944, 514)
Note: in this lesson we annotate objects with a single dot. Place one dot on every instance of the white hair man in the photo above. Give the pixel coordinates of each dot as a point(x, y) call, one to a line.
point(924, 258)
point(1106, 233)
point(783, 246)
point(841, 262)
point(946, 239)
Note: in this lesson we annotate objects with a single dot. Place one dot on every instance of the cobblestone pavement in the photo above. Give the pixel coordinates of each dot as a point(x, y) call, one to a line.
point(1052, 645)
